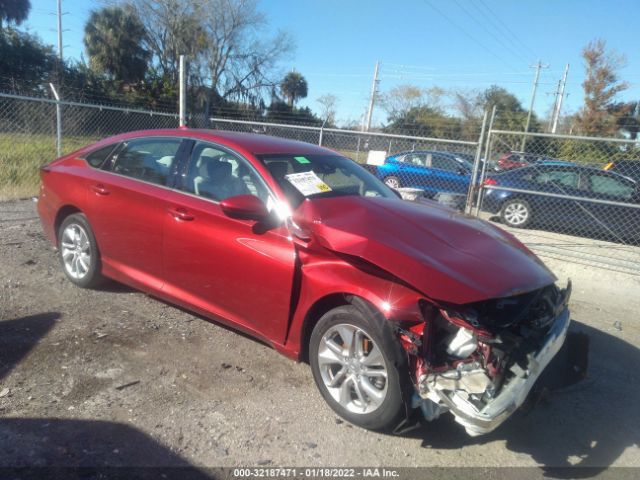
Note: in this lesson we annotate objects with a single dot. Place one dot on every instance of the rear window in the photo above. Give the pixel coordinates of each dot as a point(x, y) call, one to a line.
point(629, 168)
point(97, 157)
point(606, 185)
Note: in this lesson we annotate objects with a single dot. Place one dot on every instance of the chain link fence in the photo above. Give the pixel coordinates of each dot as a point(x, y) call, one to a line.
point(568, 197)
point(435, 168)
point(29, 133)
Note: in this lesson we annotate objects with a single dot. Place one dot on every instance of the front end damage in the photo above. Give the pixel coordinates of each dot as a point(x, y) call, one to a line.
point(480, 361)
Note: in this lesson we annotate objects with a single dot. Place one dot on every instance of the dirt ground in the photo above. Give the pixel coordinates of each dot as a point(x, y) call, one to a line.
point(114, 377)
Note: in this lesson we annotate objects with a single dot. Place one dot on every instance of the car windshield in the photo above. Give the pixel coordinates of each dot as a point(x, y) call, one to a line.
point(313, 176)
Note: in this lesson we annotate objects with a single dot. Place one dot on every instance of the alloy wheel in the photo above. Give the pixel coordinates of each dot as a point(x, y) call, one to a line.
point(516, 213)
point(392, 182)
point(353, 368)
point(76, 251)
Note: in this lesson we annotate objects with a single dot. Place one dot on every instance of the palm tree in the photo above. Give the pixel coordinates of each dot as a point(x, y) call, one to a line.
point(14, 11)
point(114, 40)
point(293, 87)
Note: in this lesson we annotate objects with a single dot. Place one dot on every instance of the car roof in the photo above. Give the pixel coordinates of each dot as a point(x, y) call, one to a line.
point(254, 143)
point(563, 166)
point(626, 163)
point(453, 154)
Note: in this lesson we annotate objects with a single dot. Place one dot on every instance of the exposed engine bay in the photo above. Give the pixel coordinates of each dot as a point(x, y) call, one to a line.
point(480, 360)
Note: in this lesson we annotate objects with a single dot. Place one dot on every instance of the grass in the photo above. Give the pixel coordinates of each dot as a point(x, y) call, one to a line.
point(22, 155)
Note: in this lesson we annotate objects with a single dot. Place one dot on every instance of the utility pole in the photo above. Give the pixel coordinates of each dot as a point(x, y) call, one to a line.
point(560, 98)
point(374, 91)
point(538, 66)
point(552, 117)
point(60, 30)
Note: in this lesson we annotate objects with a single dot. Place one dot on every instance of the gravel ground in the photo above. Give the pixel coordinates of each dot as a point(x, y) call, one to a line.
point(114, 377)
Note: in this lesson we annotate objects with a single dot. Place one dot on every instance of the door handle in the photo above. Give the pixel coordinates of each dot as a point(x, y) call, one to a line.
point(100, 189)
point(180, 214)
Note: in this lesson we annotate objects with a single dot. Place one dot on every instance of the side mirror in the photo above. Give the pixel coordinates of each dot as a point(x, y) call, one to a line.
point(244, 207)
point(462, 171)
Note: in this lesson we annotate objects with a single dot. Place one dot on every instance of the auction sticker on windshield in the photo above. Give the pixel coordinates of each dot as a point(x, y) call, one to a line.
point(307, 183)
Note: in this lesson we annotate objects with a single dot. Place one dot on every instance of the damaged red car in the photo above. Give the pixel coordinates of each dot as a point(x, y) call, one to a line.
point(396, 306)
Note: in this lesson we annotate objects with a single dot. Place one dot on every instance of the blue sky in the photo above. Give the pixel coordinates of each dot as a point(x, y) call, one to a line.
point(465, 44)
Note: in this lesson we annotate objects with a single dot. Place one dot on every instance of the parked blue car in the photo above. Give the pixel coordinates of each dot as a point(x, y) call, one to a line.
point(566, 197)
point(430, 171)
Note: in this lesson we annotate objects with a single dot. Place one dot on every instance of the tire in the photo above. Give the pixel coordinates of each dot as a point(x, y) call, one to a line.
point(392, 182)
point(516, 213)
point(78, 252)
point(380, 403)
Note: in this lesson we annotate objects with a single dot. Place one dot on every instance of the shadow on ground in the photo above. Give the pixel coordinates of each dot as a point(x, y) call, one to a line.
point(19, 335)
point(30, 447)
point(82, 447)
point(589, 424)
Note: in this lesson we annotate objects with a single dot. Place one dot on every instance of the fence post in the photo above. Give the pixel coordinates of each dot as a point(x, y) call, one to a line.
point(58, 120)
point(487, 152)
point(474, 173)
point(183, 94)
point(321, 132)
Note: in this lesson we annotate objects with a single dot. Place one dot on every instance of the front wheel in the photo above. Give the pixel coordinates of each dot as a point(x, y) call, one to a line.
point(78, 252)
point(393, 182)
point(359, 368)
point(516, 213)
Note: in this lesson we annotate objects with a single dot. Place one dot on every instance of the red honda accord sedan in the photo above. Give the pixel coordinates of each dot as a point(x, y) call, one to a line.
point(395, 305)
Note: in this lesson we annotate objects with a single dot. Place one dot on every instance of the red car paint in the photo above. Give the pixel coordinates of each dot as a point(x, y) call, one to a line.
point(272, 284)
point(509, 161)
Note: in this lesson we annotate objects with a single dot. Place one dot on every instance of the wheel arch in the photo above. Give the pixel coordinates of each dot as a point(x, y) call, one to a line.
point(324, 305)
point(62, 213)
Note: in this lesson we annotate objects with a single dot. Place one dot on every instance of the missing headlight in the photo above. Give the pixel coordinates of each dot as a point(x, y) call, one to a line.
point(462, 344)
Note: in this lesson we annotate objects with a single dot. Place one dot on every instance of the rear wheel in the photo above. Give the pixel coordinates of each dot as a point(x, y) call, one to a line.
point(516, 213)
point(78, 252)
point(393, 182)
point(359, 368)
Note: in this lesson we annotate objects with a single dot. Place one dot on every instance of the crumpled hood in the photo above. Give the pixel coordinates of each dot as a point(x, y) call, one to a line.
point(442, 253)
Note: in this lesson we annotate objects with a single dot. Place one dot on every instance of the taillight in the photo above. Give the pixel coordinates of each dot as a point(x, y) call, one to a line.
point(490, 181)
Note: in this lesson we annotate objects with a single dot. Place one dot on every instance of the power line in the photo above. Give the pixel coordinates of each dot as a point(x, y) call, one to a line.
point(484, 27)
point(446, 17)
point(506, 27)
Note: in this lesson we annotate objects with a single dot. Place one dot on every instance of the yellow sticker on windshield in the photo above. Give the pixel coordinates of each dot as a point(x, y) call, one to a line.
point(307, 183)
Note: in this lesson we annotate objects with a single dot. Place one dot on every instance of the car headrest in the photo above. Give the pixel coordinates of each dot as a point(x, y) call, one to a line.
point(278, 169)
point(219, 170)
point(203, 165)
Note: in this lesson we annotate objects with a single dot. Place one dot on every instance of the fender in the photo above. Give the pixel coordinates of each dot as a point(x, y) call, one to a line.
point(325, 274)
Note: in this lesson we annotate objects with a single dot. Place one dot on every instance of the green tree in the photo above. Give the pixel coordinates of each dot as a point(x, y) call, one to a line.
point(293, 87)
point(282, 112)
point(425, 121)
point(628, 118)
point(510, 115)
point(25, 62)
point(114, 39)
point(599, 116)
point(14, 11)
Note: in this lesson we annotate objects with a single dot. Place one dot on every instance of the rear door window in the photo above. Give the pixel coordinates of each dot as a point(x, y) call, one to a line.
point(445, 163)
point(565, 178)
point(417, 159)
point(148, 159)
point(607, 185)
